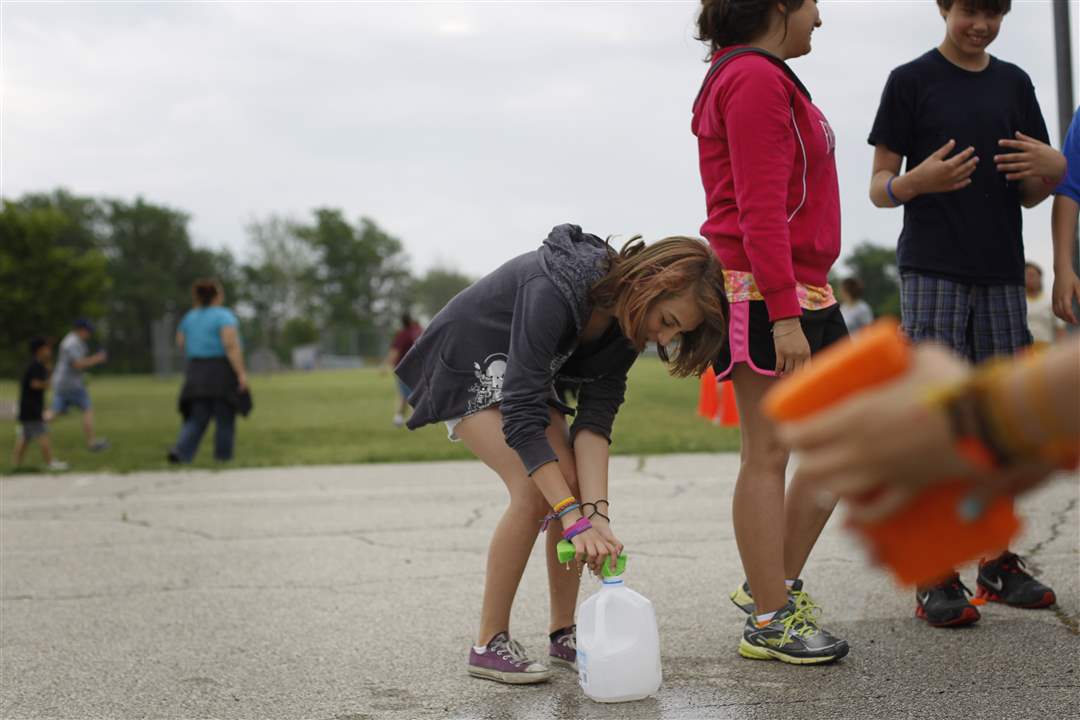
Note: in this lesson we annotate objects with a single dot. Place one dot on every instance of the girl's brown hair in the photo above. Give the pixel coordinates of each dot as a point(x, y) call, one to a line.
point(204, 291)
point(642, 275)
point(734, 22)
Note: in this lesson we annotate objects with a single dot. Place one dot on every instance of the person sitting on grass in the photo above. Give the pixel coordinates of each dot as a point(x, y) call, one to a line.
point(486, 365)
point(32, 423)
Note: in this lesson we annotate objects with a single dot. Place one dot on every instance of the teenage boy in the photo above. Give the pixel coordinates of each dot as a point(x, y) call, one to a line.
point(975, 141)
point(32, 424)
point(69, 388)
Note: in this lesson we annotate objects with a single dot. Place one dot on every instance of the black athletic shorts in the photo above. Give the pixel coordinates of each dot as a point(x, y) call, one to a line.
point(750, 340)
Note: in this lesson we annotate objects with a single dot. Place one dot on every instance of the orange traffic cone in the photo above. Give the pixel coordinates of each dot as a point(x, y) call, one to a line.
point(708, 399)
point(729, 411)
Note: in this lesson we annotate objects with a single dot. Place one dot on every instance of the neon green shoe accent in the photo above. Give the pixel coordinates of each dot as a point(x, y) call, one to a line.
point(748, 650)
point(753, 652)
point(742, 599)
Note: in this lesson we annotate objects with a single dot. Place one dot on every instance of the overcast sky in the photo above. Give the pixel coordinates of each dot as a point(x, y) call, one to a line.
point(466, 129)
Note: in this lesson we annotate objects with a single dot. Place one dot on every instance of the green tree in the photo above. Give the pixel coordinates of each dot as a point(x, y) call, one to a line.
point(875, 266)
point(276, 286)
point(360, 277)
point(45, 282)
point(438, 285)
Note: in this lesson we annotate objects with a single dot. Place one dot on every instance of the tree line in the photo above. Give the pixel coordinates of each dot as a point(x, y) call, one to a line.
point(129, 265)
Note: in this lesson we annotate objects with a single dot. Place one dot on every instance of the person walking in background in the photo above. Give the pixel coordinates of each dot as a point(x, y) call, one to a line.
point(215, 381)
point(401, 344)
point(971, 129)
point(1044, 326)
point(856, 311)
point(768, 164)
point(32, 423)
point(69, 386)
point(1063, 222)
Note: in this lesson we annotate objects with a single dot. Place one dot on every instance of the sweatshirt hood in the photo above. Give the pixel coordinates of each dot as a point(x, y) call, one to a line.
point(574, 261)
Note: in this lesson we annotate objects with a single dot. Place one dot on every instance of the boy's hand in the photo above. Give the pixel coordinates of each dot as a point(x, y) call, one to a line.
point(1066, 287)
point(1033, 158)
point(935, 174)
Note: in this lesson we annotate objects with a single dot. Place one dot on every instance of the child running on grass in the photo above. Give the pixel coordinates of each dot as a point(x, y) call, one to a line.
point(32, 425)
point(573, 310)
point(976, 147)
point(768, 165)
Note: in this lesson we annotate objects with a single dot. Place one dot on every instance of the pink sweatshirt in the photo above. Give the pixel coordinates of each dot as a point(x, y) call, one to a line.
point(768, 164)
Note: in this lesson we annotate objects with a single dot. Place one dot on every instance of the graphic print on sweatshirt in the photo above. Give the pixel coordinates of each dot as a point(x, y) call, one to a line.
point(830, 136)
point(488, 387)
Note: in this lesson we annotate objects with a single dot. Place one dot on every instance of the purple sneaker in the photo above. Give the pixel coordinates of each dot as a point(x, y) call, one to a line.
point(504, 660)
point(563, 649)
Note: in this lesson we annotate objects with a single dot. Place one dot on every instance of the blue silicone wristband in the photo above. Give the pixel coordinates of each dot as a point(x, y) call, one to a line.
point(888, 190)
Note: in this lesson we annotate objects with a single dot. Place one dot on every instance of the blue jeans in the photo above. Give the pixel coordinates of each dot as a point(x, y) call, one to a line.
point(194, 426)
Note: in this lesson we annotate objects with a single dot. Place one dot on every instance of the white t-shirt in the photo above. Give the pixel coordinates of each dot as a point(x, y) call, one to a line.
point(857, 315)
point(1041, 319)
point(67, 376)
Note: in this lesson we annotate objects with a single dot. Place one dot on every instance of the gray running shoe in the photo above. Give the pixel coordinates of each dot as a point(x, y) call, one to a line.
point(792, 636)
point(504, 660)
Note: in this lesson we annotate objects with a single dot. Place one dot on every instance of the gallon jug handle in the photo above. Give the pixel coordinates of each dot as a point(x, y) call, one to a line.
point(565, 552)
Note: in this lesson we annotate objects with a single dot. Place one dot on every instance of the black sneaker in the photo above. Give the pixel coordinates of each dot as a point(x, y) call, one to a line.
point(1004, 580)
point(792, 636)
point(946, 604)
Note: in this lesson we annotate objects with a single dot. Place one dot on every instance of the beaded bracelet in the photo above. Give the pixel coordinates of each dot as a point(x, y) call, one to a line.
point(563, 503)
point(576, 529)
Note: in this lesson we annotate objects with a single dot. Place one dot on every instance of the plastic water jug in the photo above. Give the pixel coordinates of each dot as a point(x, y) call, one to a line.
point(618, 644)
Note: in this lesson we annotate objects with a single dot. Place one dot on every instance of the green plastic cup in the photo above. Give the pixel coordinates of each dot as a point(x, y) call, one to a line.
point(565, 551)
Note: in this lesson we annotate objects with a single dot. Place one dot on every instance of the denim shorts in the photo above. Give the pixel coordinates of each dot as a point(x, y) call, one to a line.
point(77, 397)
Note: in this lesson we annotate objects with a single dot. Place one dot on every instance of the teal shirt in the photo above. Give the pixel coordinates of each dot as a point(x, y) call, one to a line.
point(202, 331)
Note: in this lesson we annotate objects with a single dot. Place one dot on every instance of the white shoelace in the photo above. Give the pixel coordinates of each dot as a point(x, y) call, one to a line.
point(513, 651)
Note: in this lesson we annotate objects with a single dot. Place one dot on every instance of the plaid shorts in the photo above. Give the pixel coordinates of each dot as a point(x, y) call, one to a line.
point(977, 321)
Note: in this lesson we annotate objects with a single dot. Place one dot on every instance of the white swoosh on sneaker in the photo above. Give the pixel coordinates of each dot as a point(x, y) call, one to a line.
point(996, 585)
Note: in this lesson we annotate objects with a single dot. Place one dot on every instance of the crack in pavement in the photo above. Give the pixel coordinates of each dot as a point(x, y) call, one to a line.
point(1061, 517)
point(410, 548)
point(680, 486)
point(476, 515)
point(185, 531)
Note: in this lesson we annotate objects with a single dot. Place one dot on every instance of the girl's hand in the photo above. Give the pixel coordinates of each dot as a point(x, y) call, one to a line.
point(241, 382)
point(592, 548)
point(1033, 158)
point(601, 526)
point(792, 349)
point(935, 174)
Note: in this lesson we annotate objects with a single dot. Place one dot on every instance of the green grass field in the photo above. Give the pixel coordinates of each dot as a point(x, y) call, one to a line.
point(334, 417)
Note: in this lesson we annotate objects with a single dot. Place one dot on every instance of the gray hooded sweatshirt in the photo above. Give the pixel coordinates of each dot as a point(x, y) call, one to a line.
point(504, 340)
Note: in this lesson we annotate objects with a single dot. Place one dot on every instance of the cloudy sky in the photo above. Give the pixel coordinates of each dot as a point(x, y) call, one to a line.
point(467, 129)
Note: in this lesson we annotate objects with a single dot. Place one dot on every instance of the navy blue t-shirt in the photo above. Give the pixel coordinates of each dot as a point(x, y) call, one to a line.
point(31, 399)
point(973, 235)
